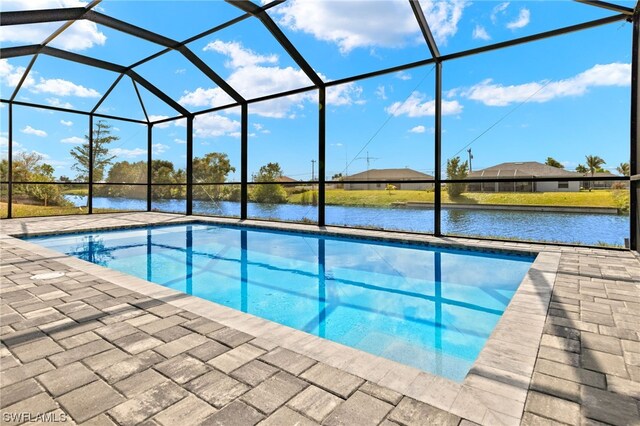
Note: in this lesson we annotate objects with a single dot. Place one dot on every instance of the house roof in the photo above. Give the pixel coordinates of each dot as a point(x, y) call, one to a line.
point(601, 174)
point(285, 179)
point(389, 174)
point(522, 169)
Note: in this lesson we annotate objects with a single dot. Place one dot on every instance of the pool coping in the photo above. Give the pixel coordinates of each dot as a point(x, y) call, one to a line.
point(493, 392)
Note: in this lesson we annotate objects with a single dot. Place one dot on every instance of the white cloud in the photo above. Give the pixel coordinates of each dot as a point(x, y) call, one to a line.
point(344, 94)
point(418, 129)
point(73, 140)
point(380, 92)
point(418, 106)
point(443, 17)
point(180, 141)
point(60, 87)
point(58, 103)
point(499, 10)
point(81, 35)
point(31, 131)
point(127, 153)
point(521, 21)
point(164, 125)
point(252, 78)
point(238, 55)
point(158, 148)
point(206, 97)
point(380, 24)
point(403, 75)
point(213, 125)
point(10, 75)
point(480, 33)
point(180, 71)
point(66, 123)
point(492, 94)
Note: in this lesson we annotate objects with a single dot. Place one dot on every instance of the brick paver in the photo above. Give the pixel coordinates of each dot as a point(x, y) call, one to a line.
point(85, 347)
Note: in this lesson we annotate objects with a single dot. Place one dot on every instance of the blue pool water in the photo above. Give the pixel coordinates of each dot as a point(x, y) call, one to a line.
point(429, 308)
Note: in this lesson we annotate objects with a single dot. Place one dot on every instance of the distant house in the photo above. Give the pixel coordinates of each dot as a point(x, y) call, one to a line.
point(519, 170)
point(404, 175)
point(600, 184)
point(286, 179)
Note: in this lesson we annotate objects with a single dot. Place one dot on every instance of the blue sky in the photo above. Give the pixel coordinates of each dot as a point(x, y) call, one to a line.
point(564, 97)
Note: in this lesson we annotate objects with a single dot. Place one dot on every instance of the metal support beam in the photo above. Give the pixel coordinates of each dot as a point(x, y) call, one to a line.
point(438, 154)
point(535, 37)
point(107, 93)
point(189, 165)
point(424, 27)
point(212, 75)
point(130, 29)
point(90, 171)
point(86, 60)
point(23, 77)
point(244, 163)
point(159, 93)
point(14, 52)
point(152, 37)
point(258, 12)
point(609, 6)
point(81, 59)
point(634, 160)
point(144, 110)
point(149, 163)
point(23, 17)
point(322, 98)
point(10, 164)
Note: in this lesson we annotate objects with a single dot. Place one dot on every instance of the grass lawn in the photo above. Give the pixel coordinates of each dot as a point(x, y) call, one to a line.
point(384, 198)
point(27, 210)
point(76, 191)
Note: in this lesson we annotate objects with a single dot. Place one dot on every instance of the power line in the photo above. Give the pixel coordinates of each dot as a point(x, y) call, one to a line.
point(391, 116)
point(499, 121)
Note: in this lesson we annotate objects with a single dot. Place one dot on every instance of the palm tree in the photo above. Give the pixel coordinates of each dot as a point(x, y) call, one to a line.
point(624, 169)
point(581, 168)
point(593, 163)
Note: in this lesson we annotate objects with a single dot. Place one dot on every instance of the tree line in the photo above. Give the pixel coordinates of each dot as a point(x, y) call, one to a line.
point(123, 178)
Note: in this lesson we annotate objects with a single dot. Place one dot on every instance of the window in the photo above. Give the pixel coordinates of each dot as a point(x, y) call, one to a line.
point(563, 185)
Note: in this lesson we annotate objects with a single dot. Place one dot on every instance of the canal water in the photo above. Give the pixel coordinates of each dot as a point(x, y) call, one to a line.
point(579, 228)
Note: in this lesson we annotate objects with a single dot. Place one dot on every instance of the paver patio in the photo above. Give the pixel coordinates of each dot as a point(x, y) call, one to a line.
point(87, 350)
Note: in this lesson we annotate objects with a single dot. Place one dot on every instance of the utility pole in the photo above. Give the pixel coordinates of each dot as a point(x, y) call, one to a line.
point(470, 158)
point(313, 170)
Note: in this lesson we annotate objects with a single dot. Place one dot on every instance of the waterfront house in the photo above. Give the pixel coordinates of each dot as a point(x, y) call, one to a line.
point(601, 184)
point(401, 179)
point(523, 169)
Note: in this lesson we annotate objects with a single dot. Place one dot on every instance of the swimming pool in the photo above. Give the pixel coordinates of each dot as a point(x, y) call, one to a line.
point(429, 308)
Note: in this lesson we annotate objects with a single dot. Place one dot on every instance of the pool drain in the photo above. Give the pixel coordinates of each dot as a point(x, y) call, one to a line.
point(48, 276)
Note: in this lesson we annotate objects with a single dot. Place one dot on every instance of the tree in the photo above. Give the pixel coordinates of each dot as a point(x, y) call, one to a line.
point(456, 170)
point(28, 167)
point(269, 173)
point(390, 188)
point(553, 163)
point(163, 172)
point(624, 169)
point(212, 168)
point(594, 164)
point(101, 159)
point(125, 172)
point(581, 168)
point(269, 193)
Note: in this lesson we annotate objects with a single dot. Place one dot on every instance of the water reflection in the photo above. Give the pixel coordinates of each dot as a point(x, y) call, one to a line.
point(415, 306)
point(577, 228)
